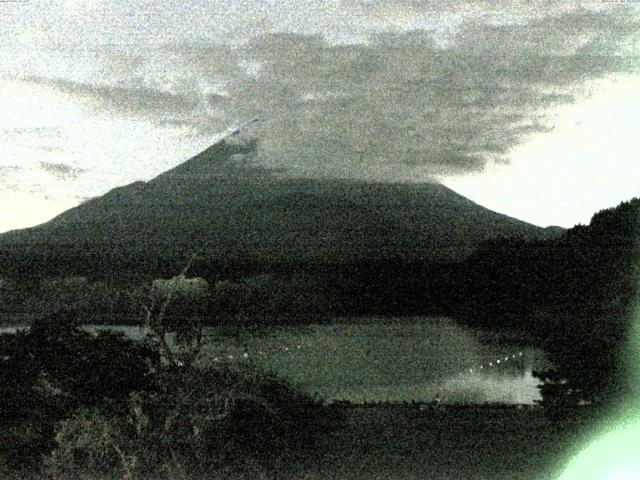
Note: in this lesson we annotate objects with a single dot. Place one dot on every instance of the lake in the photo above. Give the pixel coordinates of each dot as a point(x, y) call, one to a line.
point(385, 359)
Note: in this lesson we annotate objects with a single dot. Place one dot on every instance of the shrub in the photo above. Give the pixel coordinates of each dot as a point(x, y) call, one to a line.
point(91, 443)
point(54, 368)
point(193, 423)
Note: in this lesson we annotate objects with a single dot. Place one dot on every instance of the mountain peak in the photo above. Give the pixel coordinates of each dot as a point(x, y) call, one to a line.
point(222, 202)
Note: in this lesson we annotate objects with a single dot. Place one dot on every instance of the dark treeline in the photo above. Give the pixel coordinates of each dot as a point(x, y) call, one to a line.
point(272, 293)
point(572, 296)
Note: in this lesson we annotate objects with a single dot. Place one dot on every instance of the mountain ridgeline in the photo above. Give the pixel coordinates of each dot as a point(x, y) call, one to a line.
point(235, 213)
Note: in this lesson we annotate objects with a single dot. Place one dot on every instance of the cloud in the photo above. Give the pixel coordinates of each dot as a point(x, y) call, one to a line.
point(61, 171)
point(137, 100)
point(7, 174)
point(402, 105)
point(30, 132)
point(10, 168)
point(458, 11)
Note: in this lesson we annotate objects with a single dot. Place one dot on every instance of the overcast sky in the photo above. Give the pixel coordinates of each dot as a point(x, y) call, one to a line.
point(531, 108)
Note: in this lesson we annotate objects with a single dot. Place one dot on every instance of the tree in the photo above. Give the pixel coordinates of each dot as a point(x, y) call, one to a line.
point(54, 368)
point(178, 306)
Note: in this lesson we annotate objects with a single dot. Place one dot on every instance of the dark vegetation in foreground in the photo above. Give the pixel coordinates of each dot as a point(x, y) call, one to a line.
point(75, 405)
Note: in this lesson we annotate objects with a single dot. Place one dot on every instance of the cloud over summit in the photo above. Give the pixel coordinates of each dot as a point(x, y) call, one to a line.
point(443, 93)
point(402, 106)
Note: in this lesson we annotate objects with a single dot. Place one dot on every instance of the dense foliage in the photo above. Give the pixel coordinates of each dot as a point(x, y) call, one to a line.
point(572, 296)
point(54, 368)
point(107, 405)
point(193, 424)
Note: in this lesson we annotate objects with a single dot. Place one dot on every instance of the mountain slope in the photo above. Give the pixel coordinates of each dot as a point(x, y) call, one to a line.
point(219, 202)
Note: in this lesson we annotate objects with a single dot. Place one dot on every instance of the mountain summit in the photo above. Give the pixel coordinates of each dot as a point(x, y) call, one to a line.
point(220, 203)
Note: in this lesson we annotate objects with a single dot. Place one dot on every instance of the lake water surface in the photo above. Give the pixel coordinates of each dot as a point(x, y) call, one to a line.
point(386, 359)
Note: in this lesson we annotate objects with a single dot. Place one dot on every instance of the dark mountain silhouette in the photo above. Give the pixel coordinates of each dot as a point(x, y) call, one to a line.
point(220, 202)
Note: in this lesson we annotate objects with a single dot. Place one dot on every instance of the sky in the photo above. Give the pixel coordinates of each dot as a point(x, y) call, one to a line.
point(530, 108)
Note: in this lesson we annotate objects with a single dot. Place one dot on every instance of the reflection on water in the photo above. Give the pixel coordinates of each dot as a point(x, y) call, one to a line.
point(495, 387)
point(401, 359)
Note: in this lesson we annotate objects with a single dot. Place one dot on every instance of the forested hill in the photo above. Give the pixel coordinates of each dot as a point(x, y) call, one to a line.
point(220, 203)
point(573, 295)
point(588, 265)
